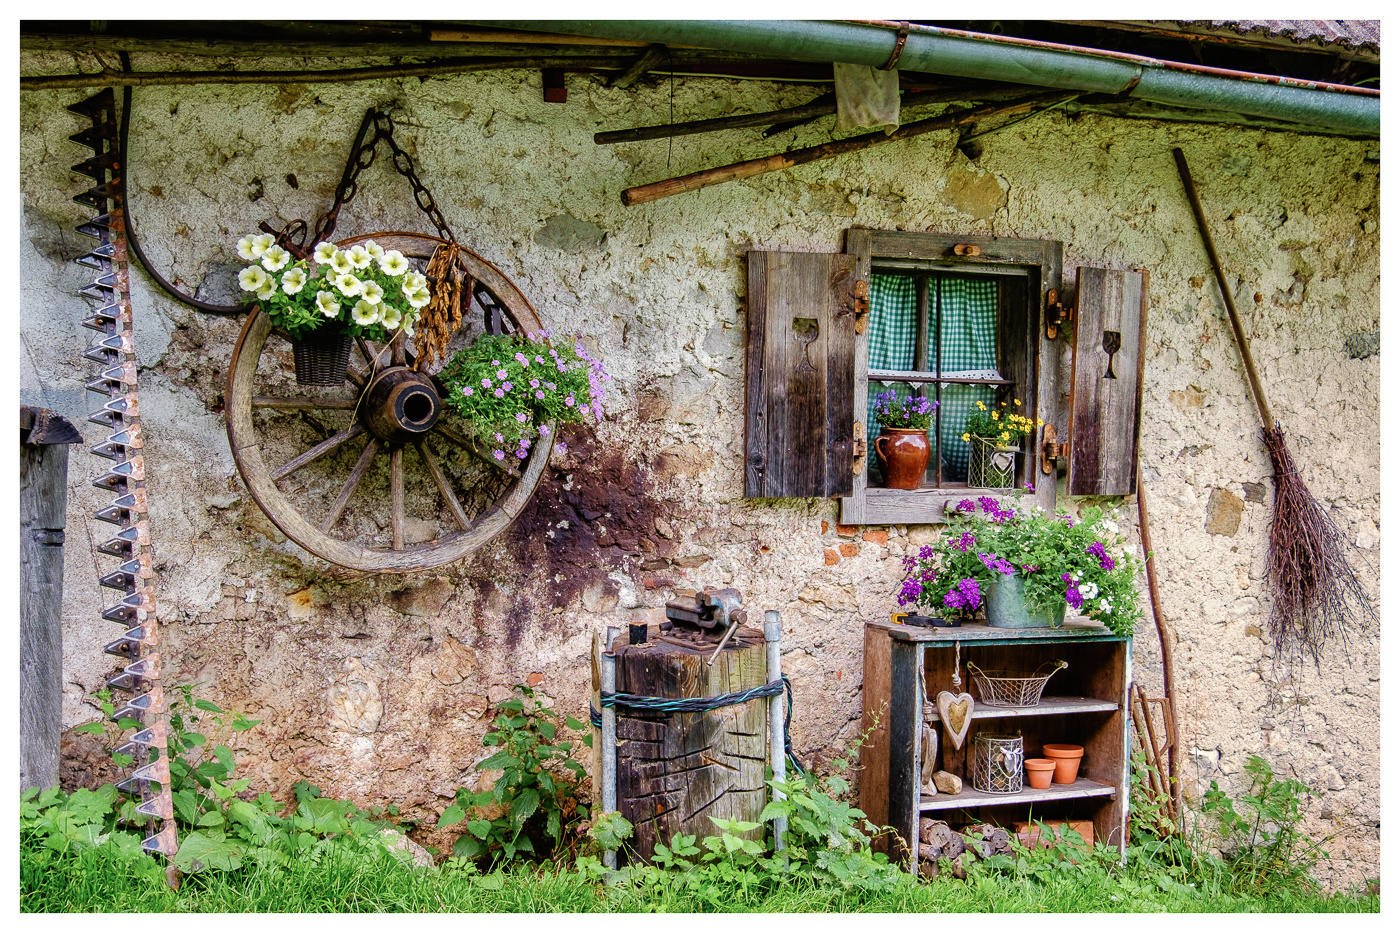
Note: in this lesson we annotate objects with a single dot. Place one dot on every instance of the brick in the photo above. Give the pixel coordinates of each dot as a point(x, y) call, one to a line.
point(535, 679)
point(832, 557)
point(848, 549)
point(848, 531)
point(877, 536)
point(825, 526)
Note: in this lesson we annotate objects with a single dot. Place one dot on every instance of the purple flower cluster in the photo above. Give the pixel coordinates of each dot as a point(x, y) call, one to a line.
point(965, 595)
point(993, 509)
point(1073, 597)
point(908, 412)
point(996, 564)
point(967, 505)
point(913, 586)
point(1097, 550)
point(967, 540)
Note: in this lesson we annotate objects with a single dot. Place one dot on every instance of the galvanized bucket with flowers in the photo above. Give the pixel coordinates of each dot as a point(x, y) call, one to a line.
point(511, 388)
point(995, 438)
point(1025, 567)
point(324, 302)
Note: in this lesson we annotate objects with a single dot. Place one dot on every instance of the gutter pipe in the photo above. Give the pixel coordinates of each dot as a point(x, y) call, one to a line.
point(935, 50)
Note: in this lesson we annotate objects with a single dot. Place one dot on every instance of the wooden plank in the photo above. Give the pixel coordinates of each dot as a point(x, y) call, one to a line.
point(1017, 343)
point(1075, 628)
point(1048, 706)
point(875, 727)
point(971, 797)
point(1110, 344)
point(904, 738)
point(853, 504)
point(43, 494)
point(939, 246)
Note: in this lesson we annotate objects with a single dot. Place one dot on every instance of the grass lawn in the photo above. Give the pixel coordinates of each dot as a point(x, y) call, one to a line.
point(97, 881)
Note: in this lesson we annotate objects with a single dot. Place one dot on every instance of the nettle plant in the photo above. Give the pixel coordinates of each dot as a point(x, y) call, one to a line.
point(364, 290)
point(1078, 563)
point(509, 387)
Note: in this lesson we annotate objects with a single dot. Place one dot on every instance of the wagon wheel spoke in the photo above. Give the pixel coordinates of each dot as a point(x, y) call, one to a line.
point(320, 450)
point(396, 495)
point(303, 404)
point(435, 471)
point(357, 474)
point(377, 358)
point(399, 348)
point(469, 445)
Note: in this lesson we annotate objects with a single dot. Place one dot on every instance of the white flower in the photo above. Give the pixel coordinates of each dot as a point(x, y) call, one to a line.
point(414, 281)
point(371, 290)
point(359, 256)
point(349, 285)
point(1089, 590)
point(252, 279)
point(392, 263)
point(327, 303)
point(419, 299)
point(390, 316)
point(260, 243)
point(364, 313)
point(294, 281)
point(1105, 605)
point(275, 257)
point(341, 263)
point(325, 252)
point(408, 324)
point(373, 248)
point(268, 290)
point(245, 249)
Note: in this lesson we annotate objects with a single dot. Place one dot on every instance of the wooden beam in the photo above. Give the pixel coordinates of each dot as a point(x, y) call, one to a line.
point(652, 57)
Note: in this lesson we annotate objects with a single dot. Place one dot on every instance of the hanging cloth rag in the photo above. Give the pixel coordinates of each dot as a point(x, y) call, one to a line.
point(866, 96)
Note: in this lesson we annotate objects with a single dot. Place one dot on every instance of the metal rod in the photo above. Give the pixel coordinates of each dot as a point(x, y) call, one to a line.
point(777, 747)
point(609, 668)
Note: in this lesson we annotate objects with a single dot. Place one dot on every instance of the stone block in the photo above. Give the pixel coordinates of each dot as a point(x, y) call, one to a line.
point(1223, 512)
point(877, 536)
point(424, 599)
point(832, 557)
point(848, 549)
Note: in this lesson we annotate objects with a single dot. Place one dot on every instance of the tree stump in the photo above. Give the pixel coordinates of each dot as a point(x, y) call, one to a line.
point(675, 771)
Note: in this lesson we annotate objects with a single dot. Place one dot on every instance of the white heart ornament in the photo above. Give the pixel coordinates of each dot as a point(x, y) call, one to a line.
point(955, 712)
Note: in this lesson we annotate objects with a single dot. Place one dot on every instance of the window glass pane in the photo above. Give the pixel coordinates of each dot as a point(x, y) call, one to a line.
point(968, 339)
point(893, 328)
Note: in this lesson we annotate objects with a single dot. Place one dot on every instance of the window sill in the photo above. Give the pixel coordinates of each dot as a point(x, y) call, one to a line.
point(929, 505)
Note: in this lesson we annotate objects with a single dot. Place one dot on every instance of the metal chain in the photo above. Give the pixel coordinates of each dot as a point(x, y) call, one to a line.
point(362, 157)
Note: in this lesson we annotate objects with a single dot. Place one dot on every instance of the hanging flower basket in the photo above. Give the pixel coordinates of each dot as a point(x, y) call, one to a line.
point(322, 356)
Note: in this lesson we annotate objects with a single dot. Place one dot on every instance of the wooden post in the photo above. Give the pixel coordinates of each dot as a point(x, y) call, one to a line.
point(609, 730)
point(777, 746)
point(43, 504)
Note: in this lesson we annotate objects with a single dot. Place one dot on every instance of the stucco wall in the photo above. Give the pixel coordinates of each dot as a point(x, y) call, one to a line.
point(375, 687)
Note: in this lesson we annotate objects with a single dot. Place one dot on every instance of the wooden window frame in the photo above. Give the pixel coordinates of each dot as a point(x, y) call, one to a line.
point(1041, 262)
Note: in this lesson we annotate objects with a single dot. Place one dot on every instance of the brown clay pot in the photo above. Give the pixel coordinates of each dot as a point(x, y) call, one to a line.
point(904, 453)
point(1039, 771)
point(1066, 758)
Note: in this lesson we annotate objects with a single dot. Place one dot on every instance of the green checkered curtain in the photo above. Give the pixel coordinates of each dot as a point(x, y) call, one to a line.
point(968, 339)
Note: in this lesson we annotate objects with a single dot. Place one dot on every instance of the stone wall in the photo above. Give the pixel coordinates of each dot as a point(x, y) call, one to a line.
point(377, 687)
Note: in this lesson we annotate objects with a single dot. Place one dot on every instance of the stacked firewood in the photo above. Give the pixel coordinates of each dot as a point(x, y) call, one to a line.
point(938, 841)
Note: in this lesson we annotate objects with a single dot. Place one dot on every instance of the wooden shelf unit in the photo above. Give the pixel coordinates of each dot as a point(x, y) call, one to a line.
point(1084, 704)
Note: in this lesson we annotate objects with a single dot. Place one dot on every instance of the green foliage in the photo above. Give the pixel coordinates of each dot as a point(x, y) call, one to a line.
point(509, 387)
point(538, 787)
point(1262, 843)
point(998, 424)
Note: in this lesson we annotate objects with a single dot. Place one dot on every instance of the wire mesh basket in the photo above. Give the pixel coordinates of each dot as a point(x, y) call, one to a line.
point(997, 760)
point(1012, 688)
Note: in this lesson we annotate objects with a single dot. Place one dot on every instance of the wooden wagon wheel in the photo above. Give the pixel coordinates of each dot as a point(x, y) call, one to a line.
point(330, 466)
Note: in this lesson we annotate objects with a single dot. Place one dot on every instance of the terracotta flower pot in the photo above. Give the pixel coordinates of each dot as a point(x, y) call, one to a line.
point(1066, 758)
point(904, 453)
point(1039, 771)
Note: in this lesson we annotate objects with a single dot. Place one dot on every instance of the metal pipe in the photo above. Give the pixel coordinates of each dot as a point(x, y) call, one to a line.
point(777, 747)
point(935, 50)
point(609, 777)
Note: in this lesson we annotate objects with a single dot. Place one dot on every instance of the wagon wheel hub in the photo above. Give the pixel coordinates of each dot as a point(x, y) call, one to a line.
point(401, 405)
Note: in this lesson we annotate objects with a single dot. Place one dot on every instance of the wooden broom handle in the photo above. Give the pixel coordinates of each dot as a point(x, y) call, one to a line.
point(1240, 339)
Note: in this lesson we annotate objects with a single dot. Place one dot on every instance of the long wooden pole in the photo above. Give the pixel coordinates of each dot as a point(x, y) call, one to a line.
point(749, 168)
point(1240, 339)
point(1166, 638)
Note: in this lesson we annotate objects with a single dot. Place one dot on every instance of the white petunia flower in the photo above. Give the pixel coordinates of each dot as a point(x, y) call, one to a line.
point(408, 324)
point(392, 263)
point(414, 281)
point(275, 258)
point(327, 303)
point(373, 248)
point(371, 291)
point(245, 249)
point(341, 263)
point(359, 256)
point(390, 316)
point(268, 290)
point(419, 299)
point(364, 313)
point(260, 244)
point(252, 279)
point(325, 252)
point(348, 285)
point(1089, 590)
point(294, 281)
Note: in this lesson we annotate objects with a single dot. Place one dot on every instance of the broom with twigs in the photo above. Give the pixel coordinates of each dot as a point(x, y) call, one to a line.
point(1315, 589)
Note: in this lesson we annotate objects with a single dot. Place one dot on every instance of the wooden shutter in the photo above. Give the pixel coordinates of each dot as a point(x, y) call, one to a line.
point(799, 394)
point(1106, 398)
